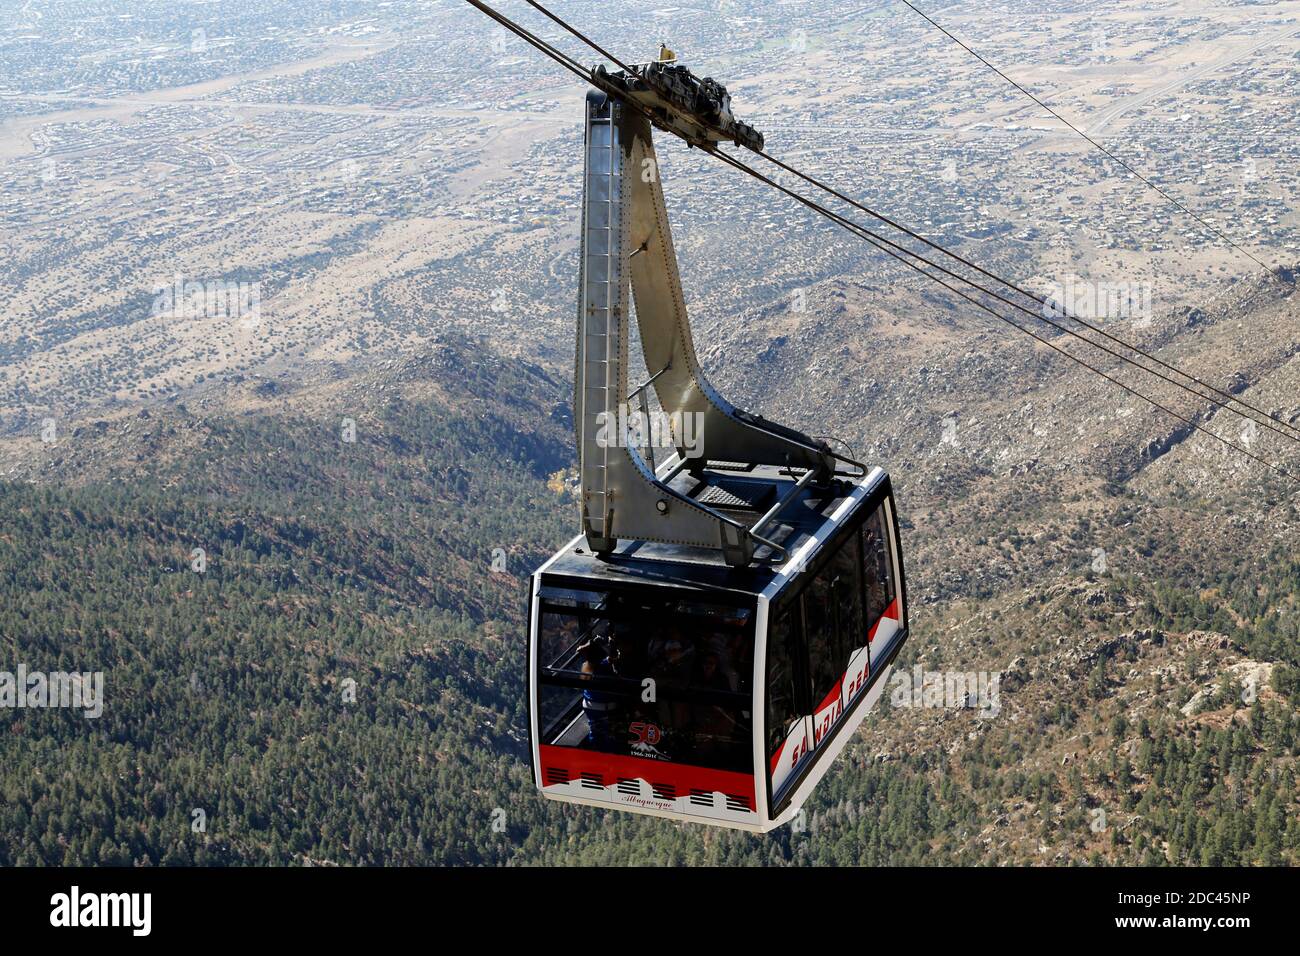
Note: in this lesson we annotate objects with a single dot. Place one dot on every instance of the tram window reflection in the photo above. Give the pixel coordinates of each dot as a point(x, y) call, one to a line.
point(876, 566)
point(825, 661)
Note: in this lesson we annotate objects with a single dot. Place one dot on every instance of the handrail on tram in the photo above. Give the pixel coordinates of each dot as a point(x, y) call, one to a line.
point(779, 553)
point(785, 499)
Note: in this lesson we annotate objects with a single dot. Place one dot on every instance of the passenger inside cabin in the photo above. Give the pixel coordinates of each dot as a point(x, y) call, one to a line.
point(599, 707)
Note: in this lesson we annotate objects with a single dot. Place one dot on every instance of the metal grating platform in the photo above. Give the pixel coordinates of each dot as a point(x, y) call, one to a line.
point(742, 495)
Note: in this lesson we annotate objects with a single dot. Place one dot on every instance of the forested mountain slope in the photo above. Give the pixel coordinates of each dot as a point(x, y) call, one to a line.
point(1160, 690)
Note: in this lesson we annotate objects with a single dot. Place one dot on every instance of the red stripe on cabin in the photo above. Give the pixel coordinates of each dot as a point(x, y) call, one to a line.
point(611, 768)
point(890, 612)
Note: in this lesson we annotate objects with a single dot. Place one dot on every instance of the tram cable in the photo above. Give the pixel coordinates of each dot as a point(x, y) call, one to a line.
point(867, 236)
point(1272, 422)
point(1268, 421)
point(581, 36)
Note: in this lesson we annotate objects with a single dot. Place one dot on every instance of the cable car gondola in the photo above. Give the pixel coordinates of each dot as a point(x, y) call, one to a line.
point(725, 619)
point(667, 682)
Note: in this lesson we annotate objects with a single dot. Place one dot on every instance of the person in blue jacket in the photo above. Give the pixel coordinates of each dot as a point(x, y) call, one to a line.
point(598, 706)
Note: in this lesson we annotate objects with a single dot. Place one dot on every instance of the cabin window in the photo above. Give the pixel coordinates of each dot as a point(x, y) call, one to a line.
point(641, 676)
point(826, 658)
point(783, 710)
point(846, 595)
point(877, 566)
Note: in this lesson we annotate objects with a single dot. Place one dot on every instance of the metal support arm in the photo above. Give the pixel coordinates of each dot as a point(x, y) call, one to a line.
point(627, 254)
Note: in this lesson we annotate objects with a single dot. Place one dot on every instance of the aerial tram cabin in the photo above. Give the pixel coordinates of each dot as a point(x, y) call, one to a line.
point(664, 681)
point(724, 621)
